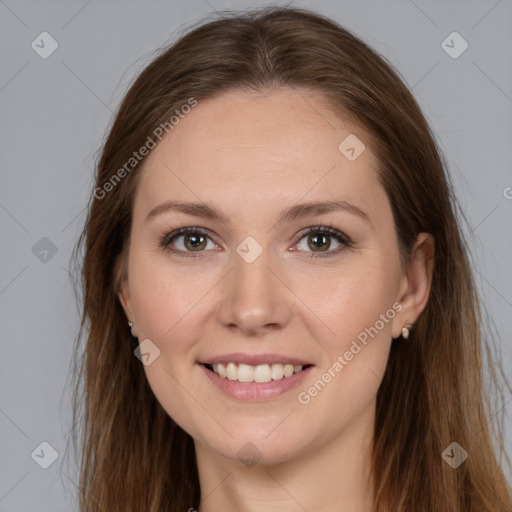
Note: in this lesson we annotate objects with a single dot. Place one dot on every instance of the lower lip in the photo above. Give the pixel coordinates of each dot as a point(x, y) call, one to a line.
point(255, 390)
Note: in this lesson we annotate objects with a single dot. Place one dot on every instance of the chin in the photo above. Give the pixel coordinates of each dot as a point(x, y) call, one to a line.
point(260, 449)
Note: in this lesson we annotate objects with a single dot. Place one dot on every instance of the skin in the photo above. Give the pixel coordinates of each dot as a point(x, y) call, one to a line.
point(253, 155)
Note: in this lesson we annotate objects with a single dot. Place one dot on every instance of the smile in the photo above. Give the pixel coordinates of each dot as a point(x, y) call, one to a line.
point(261, 373)
point(250, 377)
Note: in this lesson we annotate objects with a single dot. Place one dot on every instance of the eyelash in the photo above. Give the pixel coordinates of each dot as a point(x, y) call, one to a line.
point(326, 230)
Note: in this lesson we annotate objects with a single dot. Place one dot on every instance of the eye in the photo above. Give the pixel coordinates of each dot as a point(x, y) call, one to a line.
point(185, 242)
point(193, 240)
point(319, 240)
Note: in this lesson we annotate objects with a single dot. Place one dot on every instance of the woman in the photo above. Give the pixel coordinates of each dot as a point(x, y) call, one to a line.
point(278, 305)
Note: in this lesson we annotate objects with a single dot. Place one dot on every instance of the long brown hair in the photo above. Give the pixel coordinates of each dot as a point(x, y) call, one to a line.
point(133, 456)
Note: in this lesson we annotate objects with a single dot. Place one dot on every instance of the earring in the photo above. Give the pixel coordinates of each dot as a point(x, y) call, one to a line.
point(406, 330)
point(134, 334)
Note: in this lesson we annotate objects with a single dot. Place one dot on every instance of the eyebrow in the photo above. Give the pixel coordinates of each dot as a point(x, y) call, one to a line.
point(298, 211)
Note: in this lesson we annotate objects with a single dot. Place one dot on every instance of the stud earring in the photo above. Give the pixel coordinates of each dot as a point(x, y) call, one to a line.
point(406, 330)
point(134, 333)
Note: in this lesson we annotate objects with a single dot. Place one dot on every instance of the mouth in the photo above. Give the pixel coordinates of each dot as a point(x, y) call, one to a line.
point(255, 377)
point(261, 373)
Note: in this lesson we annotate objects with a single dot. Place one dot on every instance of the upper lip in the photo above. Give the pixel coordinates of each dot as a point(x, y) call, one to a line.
point(255, 359)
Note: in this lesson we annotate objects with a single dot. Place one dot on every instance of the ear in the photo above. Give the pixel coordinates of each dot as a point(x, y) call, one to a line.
point(415, 283)
point(122, 286)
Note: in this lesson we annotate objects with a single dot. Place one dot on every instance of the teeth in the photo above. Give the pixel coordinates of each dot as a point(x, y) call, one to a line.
point(245, 373)
point(232, 371)
point(276, 372)
point(221, 370)
point(261, 373)
point(288, 370)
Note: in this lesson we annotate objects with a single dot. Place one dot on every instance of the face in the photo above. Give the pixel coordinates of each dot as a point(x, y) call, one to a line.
point(269, 287)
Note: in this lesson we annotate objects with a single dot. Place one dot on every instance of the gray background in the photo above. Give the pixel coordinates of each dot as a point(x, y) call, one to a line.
point(54, 113)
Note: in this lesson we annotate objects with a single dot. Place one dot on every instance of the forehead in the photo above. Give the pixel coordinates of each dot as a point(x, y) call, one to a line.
point(276, 148)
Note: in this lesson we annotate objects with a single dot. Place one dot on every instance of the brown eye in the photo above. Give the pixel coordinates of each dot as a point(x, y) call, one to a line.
point(195, 242)
point(319, 242)
point(185, 241)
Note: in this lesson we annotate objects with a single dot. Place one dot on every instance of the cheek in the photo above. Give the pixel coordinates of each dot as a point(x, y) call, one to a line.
point(356, 306)
point(166, 301)
point(347, 300)
point(163, 295)
point(354, 356)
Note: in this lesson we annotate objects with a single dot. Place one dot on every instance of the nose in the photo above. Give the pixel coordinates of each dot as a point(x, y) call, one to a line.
point(254, 300)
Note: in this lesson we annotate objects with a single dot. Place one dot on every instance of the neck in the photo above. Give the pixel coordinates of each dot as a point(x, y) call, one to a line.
point(332, 475)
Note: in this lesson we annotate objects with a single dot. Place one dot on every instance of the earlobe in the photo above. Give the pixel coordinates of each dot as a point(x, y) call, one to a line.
point(416, 283)
point(124, 298)
point(121, 285)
